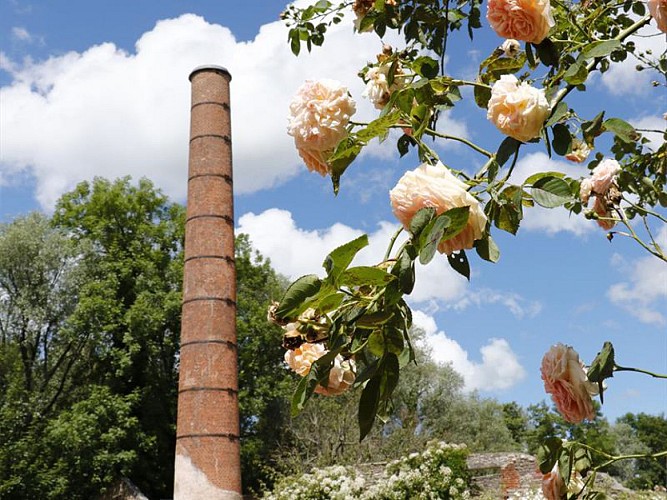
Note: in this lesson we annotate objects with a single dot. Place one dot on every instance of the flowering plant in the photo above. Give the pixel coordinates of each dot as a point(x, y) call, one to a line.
point(522, 87)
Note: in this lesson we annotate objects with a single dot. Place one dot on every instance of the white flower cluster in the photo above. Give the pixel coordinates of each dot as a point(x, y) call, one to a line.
point(328, 483)
point(527, 495)
point(424, 476)
point(429, 475)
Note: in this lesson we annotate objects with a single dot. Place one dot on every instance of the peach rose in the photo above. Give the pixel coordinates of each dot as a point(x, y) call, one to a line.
point(341, 376)
point(585, 191)
point(601, 208)
point(319, 114)
point(604, 175)
point(565, 379)
point(553, 487)
point(527, 20)
point(435, 186)
point(517, 109)
point(658, 9)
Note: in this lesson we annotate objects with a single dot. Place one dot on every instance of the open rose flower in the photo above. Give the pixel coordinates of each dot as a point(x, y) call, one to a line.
point(517, 109)
point(658, 10)
point(565, 379)
point(602, 210)
point(341, 376)
point(604, 175)
point(602, 185)
point(527, 20)
point(319, 114)
point(435, 186)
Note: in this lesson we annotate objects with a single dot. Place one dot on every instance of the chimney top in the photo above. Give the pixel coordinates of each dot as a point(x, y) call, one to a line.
point(210, 67)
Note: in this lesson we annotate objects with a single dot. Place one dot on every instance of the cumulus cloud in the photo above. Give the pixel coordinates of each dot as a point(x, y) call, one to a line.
point(644, 294)
point(109, 112)
point(651, 122)
point(499, 368)
point(515, 303)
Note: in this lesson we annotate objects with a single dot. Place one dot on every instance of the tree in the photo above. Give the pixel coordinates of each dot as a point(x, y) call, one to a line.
point(516, 421)
point(651, 430)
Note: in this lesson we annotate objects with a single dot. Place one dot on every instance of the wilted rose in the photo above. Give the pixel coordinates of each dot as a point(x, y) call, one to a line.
point(579, 153)
point(517, 109)
point(510, 47)
point(553, 487)
point(658, 10)
point(378, 90)
point(301, 358)
point(341, 376)
point(565, 379)
point(527, 20)
point(319, 114)
point(435, 186)
point(602, 210)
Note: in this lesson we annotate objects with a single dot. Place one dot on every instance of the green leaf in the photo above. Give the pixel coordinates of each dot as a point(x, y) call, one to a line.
point(551, 192)
point(421, 219)
point(459, 262)
point(602, 367)
point(558, 112)
point(344, 154)
point(487, 249)
point(622, 129)
point(426, 66)
point(338, 260)
point(430, 238)
point(365, 275)
point(547, 52)
point(458, 219)
point(577, 73)
point(375, 319)
point(482, 96)
point(548, 454)
point(562, 142)
point(600, 48)
point(368, 405)
point(540, 175)
point(507, 149)
point(404, 269)
point(330, 302)
point(297, 293)
point(593, 128)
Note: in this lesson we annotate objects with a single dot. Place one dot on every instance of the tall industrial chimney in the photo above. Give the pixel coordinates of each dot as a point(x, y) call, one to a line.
point(208, 464)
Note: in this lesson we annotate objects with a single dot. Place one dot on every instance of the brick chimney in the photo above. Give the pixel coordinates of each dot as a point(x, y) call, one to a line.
point(208, 464)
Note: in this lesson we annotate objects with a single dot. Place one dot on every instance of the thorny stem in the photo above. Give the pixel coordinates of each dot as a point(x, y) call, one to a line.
point(627, 457)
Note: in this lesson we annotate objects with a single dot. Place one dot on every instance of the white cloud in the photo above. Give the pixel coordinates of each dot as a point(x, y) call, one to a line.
point(294, 252)
point(108, 112)
point(21, 34)
point(644, 294)
point(623, 78)
point(651, 123)
point(499, 368)
point(552, 220)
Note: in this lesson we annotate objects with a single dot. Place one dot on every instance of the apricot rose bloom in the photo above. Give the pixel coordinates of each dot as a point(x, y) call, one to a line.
point(517, 109)
point(319, 114)
point(604, 175)
point(565, 379)
point(554, 488)
point(527, 20)
point(658, 10)
point(378, 90)
point(341, 376)
point(435, 186)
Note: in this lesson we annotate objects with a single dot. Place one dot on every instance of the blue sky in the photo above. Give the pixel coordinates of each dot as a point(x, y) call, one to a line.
point(101, 88)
